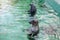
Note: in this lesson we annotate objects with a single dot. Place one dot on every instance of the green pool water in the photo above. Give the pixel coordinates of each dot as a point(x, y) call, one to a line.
point(14, 18)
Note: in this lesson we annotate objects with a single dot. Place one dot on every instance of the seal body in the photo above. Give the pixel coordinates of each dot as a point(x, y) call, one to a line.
point(32, 10)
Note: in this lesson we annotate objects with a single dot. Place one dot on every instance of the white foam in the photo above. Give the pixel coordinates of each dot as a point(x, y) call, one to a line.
point(58, 1)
